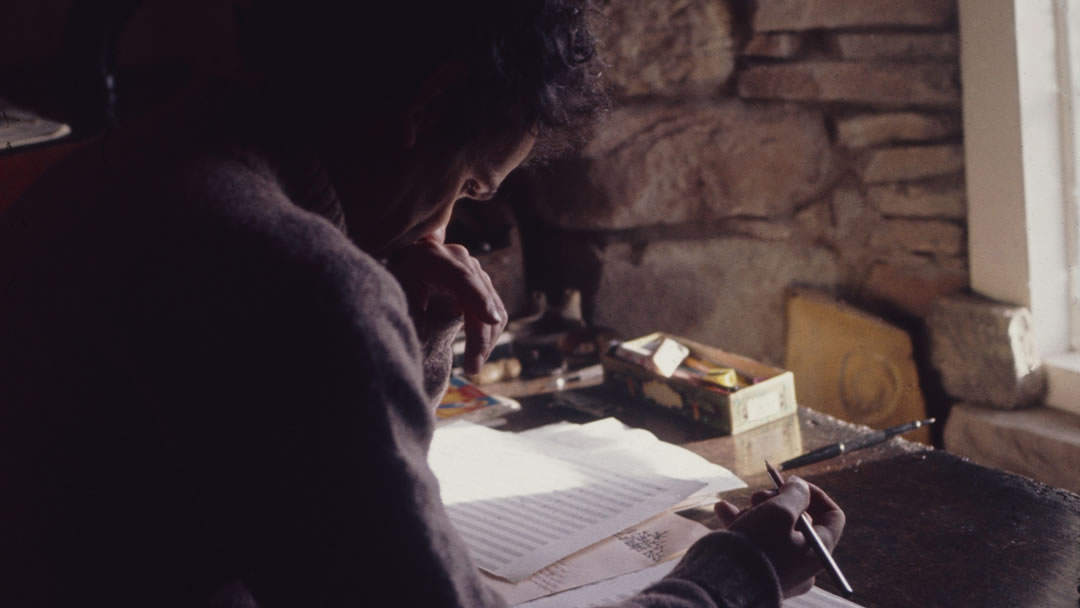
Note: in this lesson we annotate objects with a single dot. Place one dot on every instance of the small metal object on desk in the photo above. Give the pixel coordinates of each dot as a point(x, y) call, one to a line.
point(585, 376)
point(589, 401)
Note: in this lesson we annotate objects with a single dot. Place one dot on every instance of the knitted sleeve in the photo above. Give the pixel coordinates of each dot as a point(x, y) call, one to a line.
point(721, 570)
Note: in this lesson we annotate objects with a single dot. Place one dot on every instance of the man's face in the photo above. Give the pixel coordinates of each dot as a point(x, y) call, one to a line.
point(414, 199)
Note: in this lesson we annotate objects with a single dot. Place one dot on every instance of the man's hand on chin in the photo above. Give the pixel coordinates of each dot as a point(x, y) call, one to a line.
point(443, 280)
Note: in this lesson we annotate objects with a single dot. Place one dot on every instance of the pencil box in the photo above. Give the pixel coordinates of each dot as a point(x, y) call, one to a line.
point(764, 393)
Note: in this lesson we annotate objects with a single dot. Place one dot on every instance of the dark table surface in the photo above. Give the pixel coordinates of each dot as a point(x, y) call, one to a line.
point(924, 527)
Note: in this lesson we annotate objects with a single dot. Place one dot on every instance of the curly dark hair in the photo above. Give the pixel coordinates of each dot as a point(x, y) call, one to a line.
point(529, 65)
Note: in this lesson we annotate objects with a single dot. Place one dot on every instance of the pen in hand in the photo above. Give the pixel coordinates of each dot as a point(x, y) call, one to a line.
point(803, 525)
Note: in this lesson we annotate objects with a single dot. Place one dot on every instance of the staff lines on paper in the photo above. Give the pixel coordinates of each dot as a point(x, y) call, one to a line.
point(512, 519)
point(603, 497)
point(583, 505)
point(632, 485)
point(570, 517)
point(481, 527)
point(572, 508)
point(487, 549)
point(525, 508)
point(522, 480)
point(500, 525)
point(574, 500)
point(479, 553)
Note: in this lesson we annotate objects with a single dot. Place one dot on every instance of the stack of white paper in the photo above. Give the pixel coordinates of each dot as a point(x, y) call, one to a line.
point(519, 509)
point(567, 505)
point(635, 451)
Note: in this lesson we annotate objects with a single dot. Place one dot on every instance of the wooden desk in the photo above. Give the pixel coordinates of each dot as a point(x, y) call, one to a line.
point(925, 528)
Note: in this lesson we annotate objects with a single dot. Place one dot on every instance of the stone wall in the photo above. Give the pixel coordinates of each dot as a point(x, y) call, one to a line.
point(753, 146)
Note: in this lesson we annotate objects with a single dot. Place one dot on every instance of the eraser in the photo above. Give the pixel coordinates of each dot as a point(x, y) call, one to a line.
point(667, 357)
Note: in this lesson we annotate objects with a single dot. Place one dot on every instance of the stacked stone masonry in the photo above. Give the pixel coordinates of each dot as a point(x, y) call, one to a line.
point(667, 47)
point(764, 145)
point(778, 15)
point(888, 84)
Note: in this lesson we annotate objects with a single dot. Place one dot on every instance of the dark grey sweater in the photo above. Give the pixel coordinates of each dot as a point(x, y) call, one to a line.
point(204, 383)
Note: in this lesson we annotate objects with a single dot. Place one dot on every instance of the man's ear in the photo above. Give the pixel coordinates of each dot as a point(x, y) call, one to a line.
point(432, 102)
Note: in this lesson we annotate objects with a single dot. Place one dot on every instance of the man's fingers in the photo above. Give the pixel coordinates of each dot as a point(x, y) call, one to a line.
point(477, 344)
point(771, 526)
point(433, 267)
point(450, 269)
point(778, 510)
point(820, 501)
point(472, 287)
point(482, 325)
point(828, 518)
point(761, 496)
point(726, 512)
point(480, 340)
point(793, 497)
point(499, 305)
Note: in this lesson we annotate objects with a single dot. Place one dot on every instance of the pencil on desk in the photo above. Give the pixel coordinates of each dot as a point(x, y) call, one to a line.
point(803, 525)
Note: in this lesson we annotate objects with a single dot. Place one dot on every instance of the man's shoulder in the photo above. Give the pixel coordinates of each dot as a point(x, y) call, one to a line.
point(230, 225)
point(244, 201)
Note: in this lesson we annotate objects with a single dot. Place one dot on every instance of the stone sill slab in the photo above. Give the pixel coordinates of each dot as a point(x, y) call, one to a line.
point(1042, 443)
point(1063, 379)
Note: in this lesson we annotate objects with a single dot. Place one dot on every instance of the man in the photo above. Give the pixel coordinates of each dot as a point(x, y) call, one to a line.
point(223, 328)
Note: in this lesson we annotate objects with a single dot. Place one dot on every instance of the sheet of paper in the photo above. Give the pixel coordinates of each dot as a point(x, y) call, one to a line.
point(612, 591)
point(519, 509)
point(657, 540)
point(638, 450)
point(606, 592)
point(819, 598)
point(19, 127)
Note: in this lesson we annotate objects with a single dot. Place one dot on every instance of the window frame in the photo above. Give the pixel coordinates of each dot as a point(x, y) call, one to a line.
point(1020, 169)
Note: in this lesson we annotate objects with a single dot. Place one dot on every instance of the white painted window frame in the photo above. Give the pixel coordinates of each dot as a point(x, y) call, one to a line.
point(1019, 140)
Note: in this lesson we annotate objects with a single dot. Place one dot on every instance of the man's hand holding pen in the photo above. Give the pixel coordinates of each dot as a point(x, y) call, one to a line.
point(770, 524)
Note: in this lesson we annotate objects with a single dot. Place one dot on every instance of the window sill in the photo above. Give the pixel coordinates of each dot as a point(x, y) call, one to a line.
point(1063, 377)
